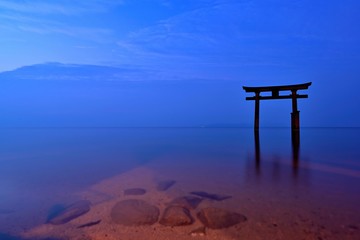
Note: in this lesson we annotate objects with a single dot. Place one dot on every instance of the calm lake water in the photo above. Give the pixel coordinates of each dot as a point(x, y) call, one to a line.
point(312, 184)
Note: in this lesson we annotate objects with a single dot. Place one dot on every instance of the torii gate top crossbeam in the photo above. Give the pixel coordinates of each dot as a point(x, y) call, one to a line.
point(275, 91)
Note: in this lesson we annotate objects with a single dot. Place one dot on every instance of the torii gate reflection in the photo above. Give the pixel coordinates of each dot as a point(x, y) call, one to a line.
point(295, 142)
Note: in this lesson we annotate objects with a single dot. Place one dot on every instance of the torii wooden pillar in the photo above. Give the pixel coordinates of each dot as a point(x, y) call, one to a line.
point(275, 94)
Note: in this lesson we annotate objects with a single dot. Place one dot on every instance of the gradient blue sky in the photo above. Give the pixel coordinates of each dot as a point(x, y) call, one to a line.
point(224, 39)
point(254, 42)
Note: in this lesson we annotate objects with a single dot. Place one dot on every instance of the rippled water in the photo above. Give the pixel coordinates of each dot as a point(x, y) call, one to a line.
point(307, 184)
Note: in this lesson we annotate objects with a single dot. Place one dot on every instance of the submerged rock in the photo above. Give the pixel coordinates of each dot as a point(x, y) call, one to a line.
point(134, 191)
point(70, 212)
point(89, 224)
point(218, 218)
point(133, 212)
point(212, 196)
point(176, 216)
point(165, 185)
point(189, 202)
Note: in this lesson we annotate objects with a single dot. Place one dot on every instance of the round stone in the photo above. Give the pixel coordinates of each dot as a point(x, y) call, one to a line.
point(134, 212)
point(176, 216)
point(216, 218)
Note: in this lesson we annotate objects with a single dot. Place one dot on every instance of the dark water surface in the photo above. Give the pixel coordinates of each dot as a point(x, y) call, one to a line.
point(272, 179)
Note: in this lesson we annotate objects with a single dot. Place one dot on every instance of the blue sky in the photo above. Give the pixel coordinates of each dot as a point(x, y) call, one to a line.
point(253, 42)
point(227, 39)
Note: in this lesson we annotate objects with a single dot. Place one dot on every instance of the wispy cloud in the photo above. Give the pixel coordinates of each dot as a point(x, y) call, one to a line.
point(37, 17)
point(95, 34)
point(221, 38)
point(67, 7)
point(231, 31)
point(197, 32)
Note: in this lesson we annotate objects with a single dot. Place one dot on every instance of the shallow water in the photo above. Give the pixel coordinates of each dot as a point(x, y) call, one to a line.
point(307, 185)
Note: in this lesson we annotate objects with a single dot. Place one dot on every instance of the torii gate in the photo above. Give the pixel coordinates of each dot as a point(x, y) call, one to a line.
point(275, 94)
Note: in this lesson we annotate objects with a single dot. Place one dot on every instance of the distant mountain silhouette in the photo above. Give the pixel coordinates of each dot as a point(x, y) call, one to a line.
point(60, 71)
point(55, 94)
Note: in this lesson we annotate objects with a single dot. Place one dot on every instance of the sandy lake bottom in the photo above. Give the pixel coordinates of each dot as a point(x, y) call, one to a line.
point(306, 190)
